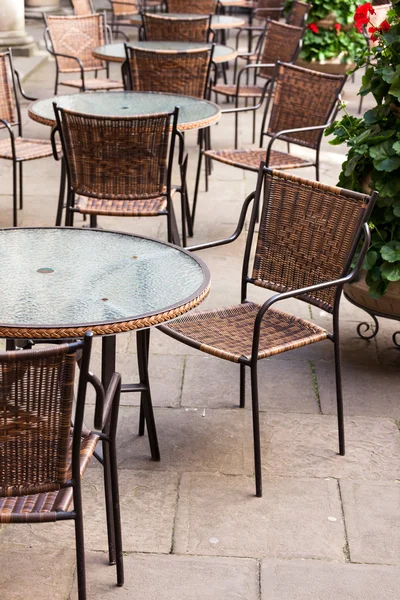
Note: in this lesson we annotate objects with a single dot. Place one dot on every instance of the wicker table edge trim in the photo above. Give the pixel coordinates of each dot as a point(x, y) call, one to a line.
point(62, 332)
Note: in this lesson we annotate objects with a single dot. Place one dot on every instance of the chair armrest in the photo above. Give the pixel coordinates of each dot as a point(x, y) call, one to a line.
point(105, 400)
point(288, 131)
point(21, 89)
point(234, 235)
point(11, 134)
point(53, 142)
point(309, 289)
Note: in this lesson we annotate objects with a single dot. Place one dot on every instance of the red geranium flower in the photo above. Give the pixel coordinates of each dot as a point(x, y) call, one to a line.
point(384, 26)
point(313, 27)
point(338, 26)
point(361, 15)
point(376, 31)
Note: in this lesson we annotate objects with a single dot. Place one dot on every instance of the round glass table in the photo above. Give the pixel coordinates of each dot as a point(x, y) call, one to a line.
point(62, 282)
point(194, 113)
point(116, 52)
point(218, 22)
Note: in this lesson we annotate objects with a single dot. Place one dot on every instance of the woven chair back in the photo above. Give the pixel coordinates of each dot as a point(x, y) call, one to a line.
point(197, 7)
point(170, 72)
point(308, 232)
point(298, 13)
point(8, 110)
point(302, 98)
point(162, 28)
point(82, 7)
point(124, 8)
point(36, 396)
point(116, 158)
point(281, 42)
point(272, 9)
point(77, 36)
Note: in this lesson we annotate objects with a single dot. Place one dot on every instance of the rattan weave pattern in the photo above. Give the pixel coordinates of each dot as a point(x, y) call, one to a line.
point(82, 7)
point(123, 208)
point(249, 160)
point(302, 98)
point(198, 7)
point(35, 419)
point(245, 91)
point(164, 28)
point(116, 158)
point(95, 84)
point(43, 507)
point(76, 36)
point(309, 229)
point(26, 148)
point(281, 42)
point(298, 13)
point(124, 7)
point(7, 104)
point(228, 332)
point(172, 72)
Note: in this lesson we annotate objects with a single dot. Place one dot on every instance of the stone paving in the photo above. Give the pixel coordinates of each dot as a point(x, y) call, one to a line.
point(326, 527)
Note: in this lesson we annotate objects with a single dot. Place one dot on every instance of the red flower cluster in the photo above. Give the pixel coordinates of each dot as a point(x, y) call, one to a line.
point(376, 31)
point(338, 26)
point(313, 27)
point(361, 15)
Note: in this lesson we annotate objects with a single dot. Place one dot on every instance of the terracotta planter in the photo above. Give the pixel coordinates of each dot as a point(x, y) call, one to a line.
point(329, 22)
point(388, 304)
point(332, 66)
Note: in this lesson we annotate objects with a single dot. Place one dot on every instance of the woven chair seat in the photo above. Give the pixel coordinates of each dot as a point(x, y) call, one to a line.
point(95, 84)
point(43, 507)
point(250, 159)
point(228, 332)
point(143, 207)
point(245, 91)
point(26, 148)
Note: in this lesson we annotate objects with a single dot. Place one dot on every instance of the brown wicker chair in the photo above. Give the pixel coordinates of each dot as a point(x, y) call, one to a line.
point(303, 103)
point(298, 13)
point(15, 147)
point(42, 458)
point(121, 13)
point(162, 28)
point(83, 7)
point(71, 40)
point(126, 172)
point(279, 42)
point(194, 7)
point(306, 240)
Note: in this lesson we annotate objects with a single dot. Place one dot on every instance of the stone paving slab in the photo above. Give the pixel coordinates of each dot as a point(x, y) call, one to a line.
point(155, 577)
point(372, 512)
point(219, 515)
point(314, 580)
point(369, 389)
point(29, 574)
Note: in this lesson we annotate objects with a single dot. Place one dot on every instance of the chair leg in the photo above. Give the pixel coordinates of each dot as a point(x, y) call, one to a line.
point(116, 513)
point(93, 221)
point(108, 494)
point(196, 187)
point(61, 194)
point(143, 341)
point(56, 82)
point(15, 217)
point(339, 395)
point(21, 199)
point(79, 542)
point(242, 386)
point(141, 420)
point(256, 429)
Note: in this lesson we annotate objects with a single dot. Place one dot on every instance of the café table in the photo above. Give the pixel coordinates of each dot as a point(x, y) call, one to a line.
point(61, 282)
point(116, 52)
point(218, 22)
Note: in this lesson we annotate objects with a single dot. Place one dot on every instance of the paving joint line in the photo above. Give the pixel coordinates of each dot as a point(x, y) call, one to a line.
point(178, 495)
point(183, 372)
point(346, 547)
point(315, 385)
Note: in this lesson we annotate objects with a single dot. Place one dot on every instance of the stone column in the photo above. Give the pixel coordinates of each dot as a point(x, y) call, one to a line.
point(43, 5)
point(12, 28)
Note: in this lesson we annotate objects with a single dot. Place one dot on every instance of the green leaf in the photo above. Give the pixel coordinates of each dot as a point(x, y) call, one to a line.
point(394, 89)
point(373, 275)
point(378, 288)
point(396, 147)
point(391, 251)
point(384, 157)
point(396, 207)
point(391, 271)
point(351, 165)
point(388, 74)
point(387, 185)
point(370, 260)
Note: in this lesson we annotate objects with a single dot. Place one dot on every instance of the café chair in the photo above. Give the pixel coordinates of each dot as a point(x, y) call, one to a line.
point(126, 172)
point(303, 248)
point(71, 40)
point(83, 7)
point(121, 13)
point(279, 42)
point(16, 148)
point(298, 13)
point(197, 7)
point(301, 104)
point(164, 28)
point(43, 457)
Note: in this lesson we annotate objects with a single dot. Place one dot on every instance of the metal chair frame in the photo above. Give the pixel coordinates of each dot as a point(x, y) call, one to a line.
point(306, 294)
point(105, 423)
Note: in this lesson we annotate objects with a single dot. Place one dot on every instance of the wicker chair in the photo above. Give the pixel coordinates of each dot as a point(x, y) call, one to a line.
point(126, 172)
point(279, 42)
point(71, 40)
point(302, 103)
point(298, 13)
point(15, 147)
point(121, 13)
point(306, 240)
point(162, 28)
point(83, 7)
point(42, 458)
point(194, 7)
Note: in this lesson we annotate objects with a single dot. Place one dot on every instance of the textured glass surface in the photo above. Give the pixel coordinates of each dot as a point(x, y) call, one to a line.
point(127, 104)
point(117, 51)
point(77, 276)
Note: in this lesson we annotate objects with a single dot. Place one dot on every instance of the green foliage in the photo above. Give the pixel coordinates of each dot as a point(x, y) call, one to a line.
point(373, 157)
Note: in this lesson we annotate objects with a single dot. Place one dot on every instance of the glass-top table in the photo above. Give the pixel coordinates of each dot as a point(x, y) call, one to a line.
point(62, 282)
point(116, 52)
point(217, 21)
point(194, 113)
